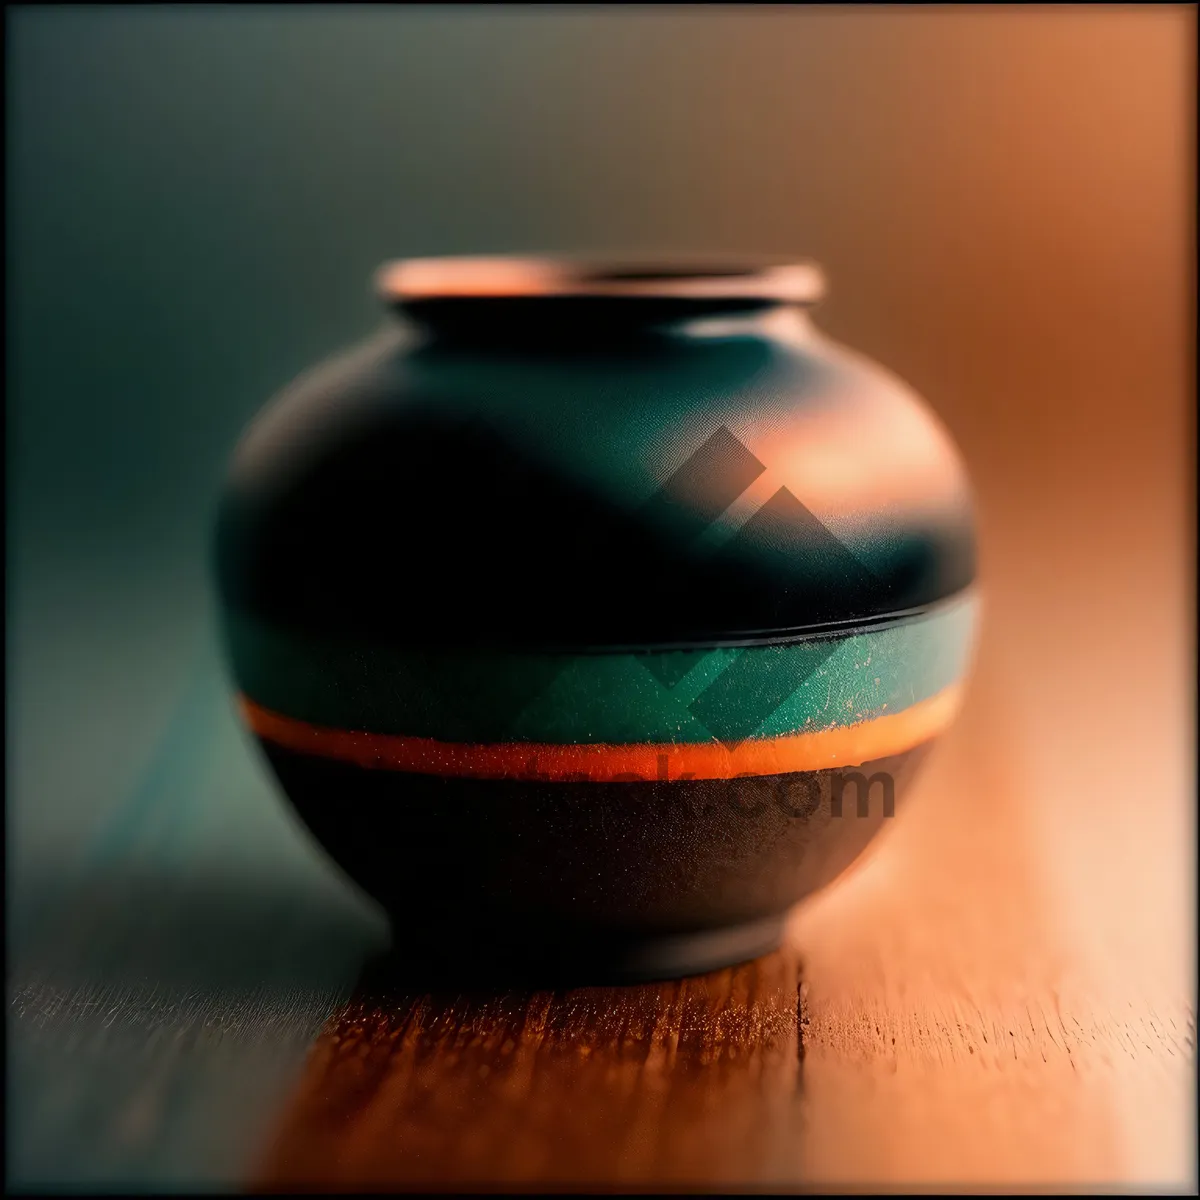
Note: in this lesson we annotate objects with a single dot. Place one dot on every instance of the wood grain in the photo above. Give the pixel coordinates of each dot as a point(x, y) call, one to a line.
point(665, 1082)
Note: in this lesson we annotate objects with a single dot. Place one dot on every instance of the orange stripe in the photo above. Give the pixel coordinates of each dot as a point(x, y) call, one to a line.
point(848, 745)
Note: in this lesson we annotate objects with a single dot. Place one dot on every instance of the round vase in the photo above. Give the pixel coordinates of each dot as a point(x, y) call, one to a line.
point(592, 617)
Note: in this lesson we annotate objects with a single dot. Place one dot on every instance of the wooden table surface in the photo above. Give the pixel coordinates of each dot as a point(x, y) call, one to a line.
point(1000, 993)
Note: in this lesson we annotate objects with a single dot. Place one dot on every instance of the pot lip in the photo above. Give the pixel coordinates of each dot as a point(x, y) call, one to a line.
point(646, 277)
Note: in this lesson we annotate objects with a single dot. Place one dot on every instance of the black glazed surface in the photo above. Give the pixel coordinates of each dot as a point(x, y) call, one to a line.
point(542, 877)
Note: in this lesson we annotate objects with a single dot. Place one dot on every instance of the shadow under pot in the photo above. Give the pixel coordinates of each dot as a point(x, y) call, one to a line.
point(590, 618)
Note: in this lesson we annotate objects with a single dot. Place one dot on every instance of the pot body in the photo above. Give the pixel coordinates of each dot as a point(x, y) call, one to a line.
point(589, 652)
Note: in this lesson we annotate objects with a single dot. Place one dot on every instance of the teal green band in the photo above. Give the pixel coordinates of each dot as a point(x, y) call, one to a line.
point(665, 696)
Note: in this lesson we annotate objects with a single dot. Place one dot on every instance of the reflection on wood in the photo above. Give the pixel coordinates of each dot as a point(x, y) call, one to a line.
point(685, 1082)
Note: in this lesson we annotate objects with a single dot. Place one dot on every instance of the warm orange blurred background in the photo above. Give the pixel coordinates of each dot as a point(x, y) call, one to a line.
point(1003, 200)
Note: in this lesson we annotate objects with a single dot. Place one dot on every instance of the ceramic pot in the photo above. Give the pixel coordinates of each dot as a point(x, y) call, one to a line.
point(591, 618)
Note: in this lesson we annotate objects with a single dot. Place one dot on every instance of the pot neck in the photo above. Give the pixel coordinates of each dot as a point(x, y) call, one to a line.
point(547, 303)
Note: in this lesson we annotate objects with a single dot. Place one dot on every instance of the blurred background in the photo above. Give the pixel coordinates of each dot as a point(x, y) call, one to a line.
point(1003, 201)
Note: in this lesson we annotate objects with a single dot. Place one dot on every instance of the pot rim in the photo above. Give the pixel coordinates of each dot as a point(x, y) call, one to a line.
point(504, 277)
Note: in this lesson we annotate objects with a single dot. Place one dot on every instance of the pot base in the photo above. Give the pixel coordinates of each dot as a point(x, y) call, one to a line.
point(563, 882)
point(562, 959)
point(576, 958)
